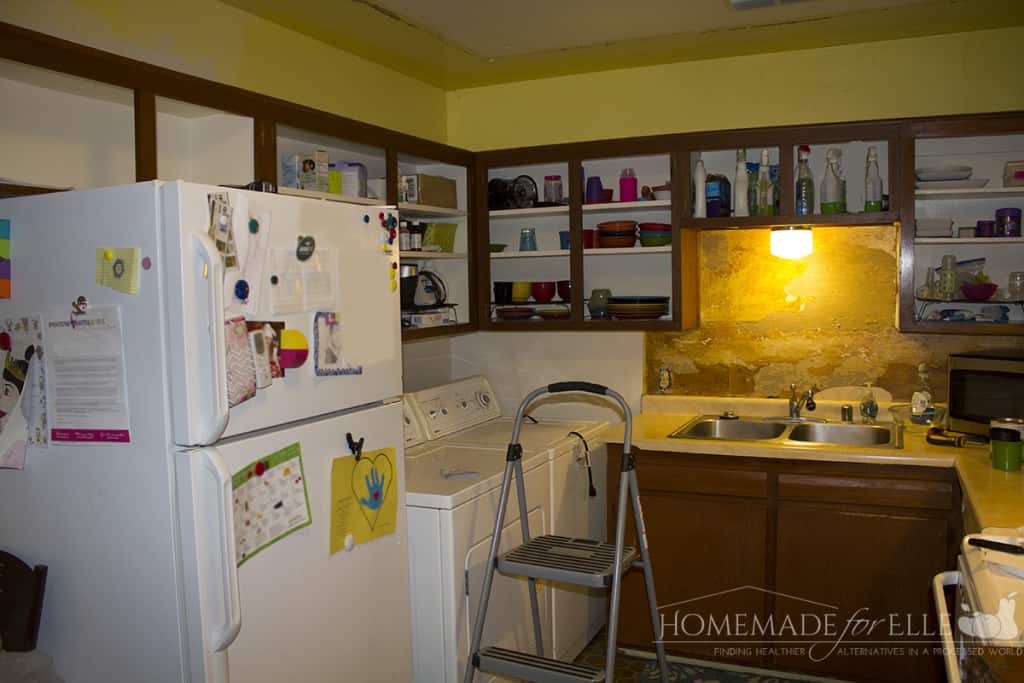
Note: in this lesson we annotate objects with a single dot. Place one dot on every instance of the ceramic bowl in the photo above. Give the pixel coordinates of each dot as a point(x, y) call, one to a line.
point(564, 288)
point(616, 226)
point(543, 292)
point(979, 291)
point(605, 242)
point(655, 240)
point(497, 248)
point(654, 227)
point(515, 313)
point(556, 313)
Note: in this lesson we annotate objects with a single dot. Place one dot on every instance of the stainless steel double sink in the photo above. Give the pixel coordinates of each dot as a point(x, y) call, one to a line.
point(790, 431)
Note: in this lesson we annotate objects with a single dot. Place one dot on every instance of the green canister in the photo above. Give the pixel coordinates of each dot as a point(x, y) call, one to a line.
point(1006, 448)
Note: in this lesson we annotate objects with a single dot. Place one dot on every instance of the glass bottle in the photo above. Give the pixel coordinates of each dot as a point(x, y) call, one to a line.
point(830, 188)
point(740, 206)
point(700, 197)
point(804, 183)
point(765, 198)
point(872, 182)
point(949, 279)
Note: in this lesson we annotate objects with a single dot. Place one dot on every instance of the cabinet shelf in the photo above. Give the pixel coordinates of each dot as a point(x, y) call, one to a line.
point(662, 204)
point(952, 241)
point(532, 211)
point(824, 220)
point(430, 255)
point(530, 254)
point(414, 333)
point(427, 211)
point(610, 251)
point(327, 196)
point(978, 193)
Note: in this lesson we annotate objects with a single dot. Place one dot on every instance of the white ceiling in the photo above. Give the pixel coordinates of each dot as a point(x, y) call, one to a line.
point(502, 28)
point(464, 43)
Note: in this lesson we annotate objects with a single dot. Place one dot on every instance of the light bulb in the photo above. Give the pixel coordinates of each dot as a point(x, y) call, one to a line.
point(791, 242)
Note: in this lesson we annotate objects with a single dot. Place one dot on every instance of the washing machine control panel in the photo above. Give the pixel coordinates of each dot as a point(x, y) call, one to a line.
point(412, 422)
point(449, 408)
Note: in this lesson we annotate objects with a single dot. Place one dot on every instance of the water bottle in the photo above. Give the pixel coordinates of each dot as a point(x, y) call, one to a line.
point(804, 183)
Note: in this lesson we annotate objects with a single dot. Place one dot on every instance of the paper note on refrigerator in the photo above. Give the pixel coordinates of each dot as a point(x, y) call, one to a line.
point(86, 396)
point(364, 498)
point(270, 501)
point(298, 286)
point(5, 259)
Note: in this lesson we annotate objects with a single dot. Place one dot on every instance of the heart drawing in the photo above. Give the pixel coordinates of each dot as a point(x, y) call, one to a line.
point(371, 483)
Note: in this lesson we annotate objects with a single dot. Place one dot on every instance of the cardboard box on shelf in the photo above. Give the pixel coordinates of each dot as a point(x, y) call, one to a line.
point(428, 189)
point(306, 171)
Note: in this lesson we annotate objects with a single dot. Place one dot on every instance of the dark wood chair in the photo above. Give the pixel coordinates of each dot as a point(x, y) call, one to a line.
point(21, 603)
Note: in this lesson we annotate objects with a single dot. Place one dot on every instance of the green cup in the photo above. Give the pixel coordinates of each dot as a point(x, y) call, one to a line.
point(1006, 448)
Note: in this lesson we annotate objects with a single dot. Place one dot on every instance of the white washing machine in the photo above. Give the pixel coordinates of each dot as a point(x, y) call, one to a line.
point(452, 481)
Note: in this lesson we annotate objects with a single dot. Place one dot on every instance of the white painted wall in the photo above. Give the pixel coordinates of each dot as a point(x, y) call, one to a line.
point(517, 362)
point(66, 139)
point(215, 149)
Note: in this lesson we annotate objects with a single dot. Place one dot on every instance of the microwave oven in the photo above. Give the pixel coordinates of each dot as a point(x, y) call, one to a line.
point(985, 386)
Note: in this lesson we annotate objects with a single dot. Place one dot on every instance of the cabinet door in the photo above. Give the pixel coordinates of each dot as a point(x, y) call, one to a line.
point(708, 554)
point(871, 570)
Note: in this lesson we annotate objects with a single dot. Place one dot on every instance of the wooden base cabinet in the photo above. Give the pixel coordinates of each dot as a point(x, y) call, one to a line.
point(819, 568)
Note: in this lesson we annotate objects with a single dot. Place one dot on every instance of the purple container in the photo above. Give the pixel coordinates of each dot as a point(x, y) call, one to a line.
point(985, 229)
point(1008, 222)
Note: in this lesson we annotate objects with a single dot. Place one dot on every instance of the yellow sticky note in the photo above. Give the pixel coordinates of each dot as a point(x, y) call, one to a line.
point(118, 268)
point(364, 497)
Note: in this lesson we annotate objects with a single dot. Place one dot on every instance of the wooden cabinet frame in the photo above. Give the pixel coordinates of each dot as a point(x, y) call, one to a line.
point(149, 82)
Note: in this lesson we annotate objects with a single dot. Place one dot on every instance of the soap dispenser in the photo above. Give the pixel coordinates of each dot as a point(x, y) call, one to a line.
point(868, 406)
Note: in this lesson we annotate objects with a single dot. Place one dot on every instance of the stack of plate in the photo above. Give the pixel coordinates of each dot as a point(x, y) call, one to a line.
point(655, 234)
point(948, 178)
point(637, 307)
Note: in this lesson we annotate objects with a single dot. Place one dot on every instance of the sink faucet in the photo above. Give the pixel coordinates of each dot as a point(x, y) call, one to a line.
point(797, 403)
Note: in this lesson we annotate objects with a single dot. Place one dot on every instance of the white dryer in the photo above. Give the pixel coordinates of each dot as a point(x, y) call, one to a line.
point(569, 446)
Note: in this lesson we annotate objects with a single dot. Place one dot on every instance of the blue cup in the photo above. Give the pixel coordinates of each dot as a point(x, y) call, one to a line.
point(563, 239)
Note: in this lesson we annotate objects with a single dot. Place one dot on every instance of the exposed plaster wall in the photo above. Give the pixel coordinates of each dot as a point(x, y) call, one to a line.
point(828, 319)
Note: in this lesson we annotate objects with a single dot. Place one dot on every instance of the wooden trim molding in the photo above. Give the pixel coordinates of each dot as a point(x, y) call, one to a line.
point(145, 136)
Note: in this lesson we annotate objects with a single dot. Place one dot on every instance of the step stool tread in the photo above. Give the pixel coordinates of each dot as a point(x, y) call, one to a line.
point(498, 660)
point(578, 561)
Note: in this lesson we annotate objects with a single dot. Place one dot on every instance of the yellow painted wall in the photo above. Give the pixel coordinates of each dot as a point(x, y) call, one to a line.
point(948, 74)
point(212, 40)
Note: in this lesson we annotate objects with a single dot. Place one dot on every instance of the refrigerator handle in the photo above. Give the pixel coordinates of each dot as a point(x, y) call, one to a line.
point(212, 278)
point(225, 634)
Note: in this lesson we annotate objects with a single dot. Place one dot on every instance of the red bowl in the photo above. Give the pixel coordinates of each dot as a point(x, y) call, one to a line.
point(543, 292)
point(616, 226)
point(655, 227)
point(979, 291)
point(564, 289)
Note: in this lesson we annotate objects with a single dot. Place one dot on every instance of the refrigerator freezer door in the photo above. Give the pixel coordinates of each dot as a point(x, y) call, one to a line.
point(347, 241)
point(306, 615)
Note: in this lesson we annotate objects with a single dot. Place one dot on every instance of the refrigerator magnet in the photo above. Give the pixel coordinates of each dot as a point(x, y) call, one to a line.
point(294, 349)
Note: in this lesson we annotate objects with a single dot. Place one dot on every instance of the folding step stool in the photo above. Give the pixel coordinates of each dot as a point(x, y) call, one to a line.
point(576, 561)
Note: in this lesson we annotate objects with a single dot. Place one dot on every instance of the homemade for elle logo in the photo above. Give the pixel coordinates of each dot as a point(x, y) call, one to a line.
point(817, 630)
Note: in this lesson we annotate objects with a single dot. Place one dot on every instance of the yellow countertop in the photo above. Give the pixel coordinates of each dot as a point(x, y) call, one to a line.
point(994, 498)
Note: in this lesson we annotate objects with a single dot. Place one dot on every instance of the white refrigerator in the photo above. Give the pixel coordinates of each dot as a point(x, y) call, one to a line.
point(141, 537)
